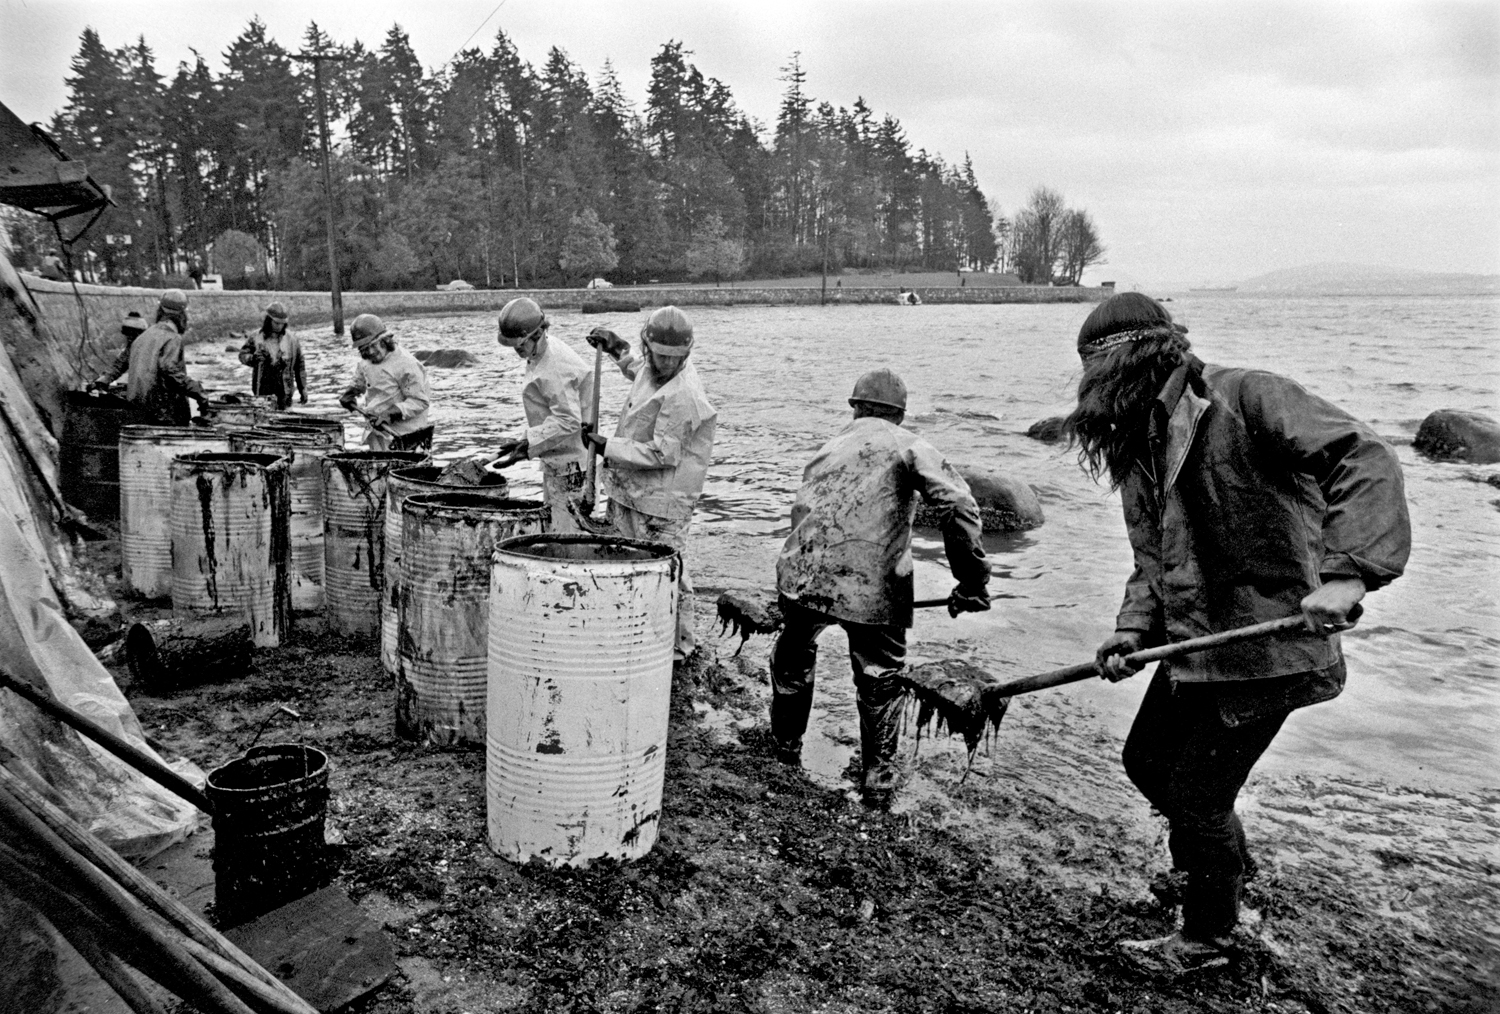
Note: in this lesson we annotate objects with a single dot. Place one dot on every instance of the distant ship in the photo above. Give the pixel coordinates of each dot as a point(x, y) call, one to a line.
point(1215, 288)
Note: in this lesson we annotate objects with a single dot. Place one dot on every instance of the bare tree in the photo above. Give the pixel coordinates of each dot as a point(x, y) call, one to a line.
point(1035, 236)
point(1078, 245)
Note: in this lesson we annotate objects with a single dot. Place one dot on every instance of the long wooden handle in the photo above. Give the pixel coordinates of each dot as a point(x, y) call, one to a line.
point(1082, 671)
point(588, 489)
point(929, 603)
point(144, 763)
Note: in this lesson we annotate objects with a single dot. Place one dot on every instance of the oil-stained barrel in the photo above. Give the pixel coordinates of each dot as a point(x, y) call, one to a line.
point(230, 540)
point(146, 454)
point(443, 610)
point(269, 810)
point(243, 413)
point(580, 675)
point(89, 463)
point(354, 533)
point(303, 447)
point(400, 484)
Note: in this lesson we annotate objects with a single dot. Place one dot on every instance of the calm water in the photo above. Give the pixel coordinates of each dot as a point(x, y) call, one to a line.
point(1423, 702)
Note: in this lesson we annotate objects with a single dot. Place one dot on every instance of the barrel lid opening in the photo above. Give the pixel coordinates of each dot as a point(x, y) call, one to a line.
point(410, 457)
point(593, 548)
point(427, 474)
point(464, 501)
point(231, 458)
point(265, 766)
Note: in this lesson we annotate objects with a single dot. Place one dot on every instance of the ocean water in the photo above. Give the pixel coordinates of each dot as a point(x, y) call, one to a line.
point(1422, 706)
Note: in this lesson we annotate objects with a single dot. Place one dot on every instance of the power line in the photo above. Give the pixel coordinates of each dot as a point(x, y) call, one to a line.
point(476, 31)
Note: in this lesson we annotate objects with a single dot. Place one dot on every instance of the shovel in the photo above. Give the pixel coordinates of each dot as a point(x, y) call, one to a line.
point(587, 502)
point(969, 701)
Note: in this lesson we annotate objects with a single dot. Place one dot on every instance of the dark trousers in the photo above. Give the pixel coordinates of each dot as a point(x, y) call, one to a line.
point(875, 650)
point(1190, 765)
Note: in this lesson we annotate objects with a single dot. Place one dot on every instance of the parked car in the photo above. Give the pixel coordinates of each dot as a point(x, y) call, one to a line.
point(457, 285)
point(600, 283)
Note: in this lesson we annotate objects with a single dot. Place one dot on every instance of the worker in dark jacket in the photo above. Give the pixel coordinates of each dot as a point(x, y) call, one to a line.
point(848, 561)
point(131, 326)
point(274, 356)
point(1246, 499)
point(159, 386)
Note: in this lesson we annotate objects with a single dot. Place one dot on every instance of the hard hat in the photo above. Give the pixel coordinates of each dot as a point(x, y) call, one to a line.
point(277, 312)
point(520, 319)
point(173, 300)
point(880, 387)
point(668, 333)
point(365, 329)
point(133, 321)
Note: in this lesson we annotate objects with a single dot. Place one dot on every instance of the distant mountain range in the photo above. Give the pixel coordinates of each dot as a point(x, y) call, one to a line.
point(1365, 279)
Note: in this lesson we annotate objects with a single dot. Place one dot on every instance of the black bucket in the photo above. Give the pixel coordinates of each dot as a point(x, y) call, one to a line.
point(269, 808)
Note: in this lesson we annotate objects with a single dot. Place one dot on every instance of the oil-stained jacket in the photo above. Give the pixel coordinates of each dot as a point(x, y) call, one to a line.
point(557, 395)
point(659, 455)
point(1257, 493)
point(276, 365)
point(398, 382)
point(849, 553)
point(159, 384)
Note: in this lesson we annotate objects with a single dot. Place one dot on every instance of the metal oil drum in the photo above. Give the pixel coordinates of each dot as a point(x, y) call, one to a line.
point(354, 534)
point(146, 454)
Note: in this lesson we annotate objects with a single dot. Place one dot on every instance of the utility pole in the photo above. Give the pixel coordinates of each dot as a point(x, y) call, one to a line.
point(316, 59)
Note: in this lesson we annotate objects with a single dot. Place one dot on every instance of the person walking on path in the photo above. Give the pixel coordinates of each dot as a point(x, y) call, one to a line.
point(556, 394)
point(394, 386)
point(159, 386)
point(848, 561)
point(131, 326)
point(274, 356)
point(660, 452)
point(1246, 499)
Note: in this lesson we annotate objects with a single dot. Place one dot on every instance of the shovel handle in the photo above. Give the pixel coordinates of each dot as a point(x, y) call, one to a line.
point(1082, 671)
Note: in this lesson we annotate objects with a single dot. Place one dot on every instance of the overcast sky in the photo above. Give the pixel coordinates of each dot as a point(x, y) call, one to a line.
point(1210, 141)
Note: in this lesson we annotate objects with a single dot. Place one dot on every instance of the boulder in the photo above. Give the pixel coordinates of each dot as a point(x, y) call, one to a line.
point(1049, 431)
point(446, 359)
point(1451, 434)
point(1005, 504)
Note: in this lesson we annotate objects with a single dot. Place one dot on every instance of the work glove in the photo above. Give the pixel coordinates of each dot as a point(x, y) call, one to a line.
point(596, 441)
point(348, 401)
point(613, 345)
point(511, 451)
point(974, 599)
point(1110, 660)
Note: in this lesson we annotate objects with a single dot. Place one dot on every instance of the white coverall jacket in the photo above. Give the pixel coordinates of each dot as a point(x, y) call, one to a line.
point(399, 382)
point(557, 394)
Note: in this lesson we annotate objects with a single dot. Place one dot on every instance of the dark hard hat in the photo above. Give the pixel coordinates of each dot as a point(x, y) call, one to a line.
point(174, 300)
point(133, 321)
point(520, 319)
point(668, 332)
point(880, 387)
point(365, 329)
point(277, 312)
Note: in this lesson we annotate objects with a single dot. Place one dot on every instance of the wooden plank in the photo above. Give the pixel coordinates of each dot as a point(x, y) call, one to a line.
point(325, 947)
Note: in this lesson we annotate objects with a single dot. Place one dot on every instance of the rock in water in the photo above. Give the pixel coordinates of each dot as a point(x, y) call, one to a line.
point(446, 359)
point(1451, 434)
point(1049, 431)
point(1005, 504)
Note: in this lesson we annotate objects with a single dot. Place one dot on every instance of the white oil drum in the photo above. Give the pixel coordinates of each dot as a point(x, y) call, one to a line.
point(303, 447)
point(580, 676)
point(146, 454)
point(230, 540)
point(400, 484)
point(443, 608)
point(354, 536)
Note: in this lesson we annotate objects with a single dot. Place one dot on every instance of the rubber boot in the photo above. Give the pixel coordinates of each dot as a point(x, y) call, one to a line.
point(880, 702)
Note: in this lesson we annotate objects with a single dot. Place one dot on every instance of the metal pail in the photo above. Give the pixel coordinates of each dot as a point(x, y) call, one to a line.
point(443, 610)
point(354, 528)
point(580, 676)
point(400, 484)
point(146, 454)
point(230, 541)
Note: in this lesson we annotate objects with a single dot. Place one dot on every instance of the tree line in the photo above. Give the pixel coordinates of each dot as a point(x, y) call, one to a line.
point(504, 174)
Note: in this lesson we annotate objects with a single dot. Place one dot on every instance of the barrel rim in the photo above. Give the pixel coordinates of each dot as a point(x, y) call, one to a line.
point(311, 753)
point(292, 436)
point(143, 430)
point(415, 458)
point(431, 485)
point(518, 546)
point(224, 459)
point(433, 504)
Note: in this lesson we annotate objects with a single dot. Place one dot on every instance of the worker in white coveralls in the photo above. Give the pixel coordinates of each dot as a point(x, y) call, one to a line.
point(556, 394)
point(848, 561)
point(658, 457)
point(394, 386)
